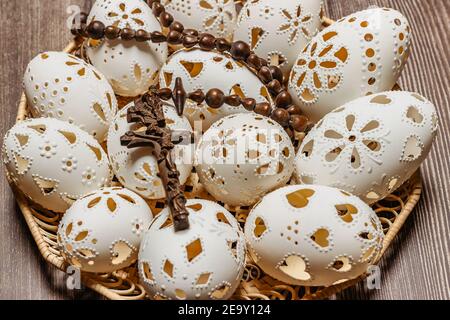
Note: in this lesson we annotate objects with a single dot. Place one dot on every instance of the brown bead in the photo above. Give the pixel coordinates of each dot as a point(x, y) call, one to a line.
point(158, 37)
point(276, 73)
point(233, 100)
point(281, 116)
point(190, 32)
point(189, 41)
point(96, 30)
point(263, 108)
point(142, 35)
point(127, 34)
point(222, 44)
point(112, 32)
point(177, 26)
point(166, 19)
point(174, 37)
point(240, 50)
point(165, 93)
point(275, 86)
point(294, 109)
point(283, 99)
point(197, 96)
point(215, 98)
point(157, 8)
point(179, 96)
point(263, 62)
point(265, 75)
point(298, 123)
point(249, 104)
point(207, 41)
point(254, 61)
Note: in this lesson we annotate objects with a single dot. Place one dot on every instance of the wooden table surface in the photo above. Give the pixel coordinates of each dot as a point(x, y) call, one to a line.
point(417, 266)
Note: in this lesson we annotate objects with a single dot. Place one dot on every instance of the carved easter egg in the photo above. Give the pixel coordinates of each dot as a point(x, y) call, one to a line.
point(361, 54)
point(204, 262)
point(130, 66)
point(54, 162)
point(137, 169)
point(102, 231)
point(313, 235)
point(279, 30)
point(205, 70)
point(217, 17)
point(60, 85)
point(370, 146)
point(242, 157)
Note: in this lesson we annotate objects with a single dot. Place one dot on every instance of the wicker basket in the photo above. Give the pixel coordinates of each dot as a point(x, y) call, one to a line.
point(124, 284)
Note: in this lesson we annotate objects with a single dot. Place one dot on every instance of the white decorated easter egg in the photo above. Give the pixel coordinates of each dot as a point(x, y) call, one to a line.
point(361, 54)
point(136, 168)
point(313, 235)
point(204, 262)
point(217, 17)
point(62, 86)
point(242, 157)
point(130, 66)
point(54, 162)
point(279, 30)
point(206, 70)
point(102, 231)
point(370, 146)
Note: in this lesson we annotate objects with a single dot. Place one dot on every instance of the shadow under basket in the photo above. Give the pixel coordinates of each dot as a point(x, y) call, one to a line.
point(124, 284)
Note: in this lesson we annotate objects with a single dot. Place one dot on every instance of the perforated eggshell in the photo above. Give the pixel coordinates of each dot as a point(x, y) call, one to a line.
point(206, 70)
point(137, 169)
point(242, 157)
point(130, 66)
point(313, 235)
point(360, 54)
point(203, 262)
point(102, 231)
point(62, 86)
point(54, 162)
point(279, 30)
point(370, 146)
point(217, 17)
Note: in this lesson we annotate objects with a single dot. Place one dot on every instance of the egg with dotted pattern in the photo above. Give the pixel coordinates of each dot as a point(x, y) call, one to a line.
point(370, 146)
point(204, 262)
point(130, 66)
point(54, 162)
point(243, 156)
point(102, 231)
point(62, 86)
point(361, 54)
point(313, 235)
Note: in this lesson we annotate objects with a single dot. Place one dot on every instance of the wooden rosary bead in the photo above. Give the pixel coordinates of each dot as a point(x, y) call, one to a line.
point(142, 35)
point(222, 45)
point(165, 93)
point(151, 2)
point(263, 109)
point(275, 86)
point(197, 96)
point(127, 34)
point(283, 99)
point(96, 30)
point(179, 96)
point(174, 37)
point(298, 122)
point(281, 116)
point(157, 8)
point(215, 98)
point(294, 109)
point(190, 32)
point(166, 19)
point(189, 41)
point(233, 100)
point(254, 61)
point(177, 26)
point(276, 73)
point(249, 104)
point(240, 50)
point(207, 41)
point(265, 75)
point(112, 32)
point(158, 37)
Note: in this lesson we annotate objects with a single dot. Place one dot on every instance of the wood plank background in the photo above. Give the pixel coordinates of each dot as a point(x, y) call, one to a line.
point(417, 266)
